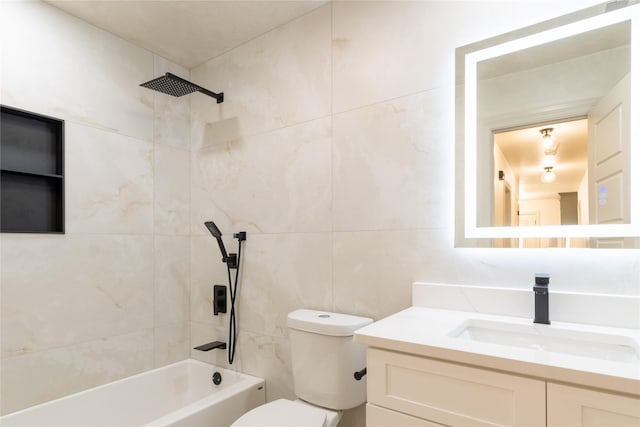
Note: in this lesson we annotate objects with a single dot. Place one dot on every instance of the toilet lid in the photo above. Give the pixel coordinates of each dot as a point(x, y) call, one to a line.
point(282, 413)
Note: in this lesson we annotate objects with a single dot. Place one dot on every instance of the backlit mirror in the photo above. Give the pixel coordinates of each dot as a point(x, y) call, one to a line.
point(545, 136)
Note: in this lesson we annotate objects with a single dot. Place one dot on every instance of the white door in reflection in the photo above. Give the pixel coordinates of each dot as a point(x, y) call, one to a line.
point(609, 148)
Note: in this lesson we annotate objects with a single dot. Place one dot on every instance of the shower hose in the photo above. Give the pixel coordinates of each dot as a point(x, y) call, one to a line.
point(233, 335)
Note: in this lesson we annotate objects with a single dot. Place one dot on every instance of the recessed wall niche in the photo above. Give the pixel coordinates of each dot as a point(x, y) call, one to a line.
point(32, 172)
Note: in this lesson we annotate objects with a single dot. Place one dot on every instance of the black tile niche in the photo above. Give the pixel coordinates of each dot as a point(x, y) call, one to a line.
point(32, 172)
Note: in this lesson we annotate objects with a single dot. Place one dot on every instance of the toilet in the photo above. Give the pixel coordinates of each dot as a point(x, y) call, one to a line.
point(324, 358)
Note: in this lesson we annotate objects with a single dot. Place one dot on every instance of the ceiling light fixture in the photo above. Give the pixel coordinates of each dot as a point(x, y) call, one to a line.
point(548, 144)
point(548, 176)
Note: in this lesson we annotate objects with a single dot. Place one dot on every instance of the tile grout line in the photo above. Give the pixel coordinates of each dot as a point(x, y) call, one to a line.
point(153, 219)
point(331, 158)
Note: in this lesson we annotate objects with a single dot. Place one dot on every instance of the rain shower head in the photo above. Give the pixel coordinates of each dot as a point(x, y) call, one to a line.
point(177, 86)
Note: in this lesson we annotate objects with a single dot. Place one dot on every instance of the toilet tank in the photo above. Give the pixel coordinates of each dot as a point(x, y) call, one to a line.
point(324, 357)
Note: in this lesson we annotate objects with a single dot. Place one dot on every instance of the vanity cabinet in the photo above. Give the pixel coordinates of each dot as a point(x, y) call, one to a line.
point(576, 406)
point(382, 417)
point(415, 391)
point(427, 392)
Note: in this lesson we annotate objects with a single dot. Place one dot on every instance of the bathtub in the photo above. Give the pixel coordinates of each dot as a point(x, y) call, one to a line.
point(180, 395)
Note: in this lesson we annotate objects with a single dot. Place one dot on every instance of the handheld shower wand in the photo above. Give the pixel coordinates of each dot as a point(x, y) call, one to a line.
point(232, 261)
point(215, 232)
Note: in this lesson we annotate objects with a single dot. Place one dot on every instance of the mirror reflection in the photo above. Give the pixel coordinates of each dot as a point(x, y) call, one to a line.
point(516, 89)
point(542, 176)
point(537, 171)
point(548, 133)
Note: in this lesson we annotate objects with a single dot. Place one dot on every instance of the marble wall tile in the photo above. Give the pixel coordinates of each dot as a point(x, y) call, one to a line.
point(171, 259)
point(171, 190)
point(171, 343)
point(376, 282)
point(276, 80)
point(370, 65)
point(282, 273)
point(171, 114)
point(109, 182)
point(603, 271)
point(392, 164)
point(67, 297)
point(65, 290)
point(274, 182)
point(58, 65)
point(269, 358)
point(44, 375)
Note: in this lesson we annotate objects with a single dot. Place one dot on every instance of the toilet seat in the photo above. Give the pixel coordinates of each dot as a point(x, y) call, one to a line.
point(285, 413)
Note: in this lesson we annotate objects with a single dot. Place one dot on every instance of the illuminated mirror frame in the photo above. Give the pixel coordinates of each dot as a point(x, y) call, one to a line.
point(549, 31)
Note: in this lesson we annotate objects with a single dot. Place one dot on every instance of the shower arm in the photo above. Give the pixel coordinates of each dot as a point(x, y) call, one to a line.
point(218, 96)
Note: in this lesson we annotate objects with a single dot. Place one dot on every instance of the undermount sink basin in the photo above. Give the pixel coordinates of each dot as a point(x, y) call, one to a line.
point(611, 347)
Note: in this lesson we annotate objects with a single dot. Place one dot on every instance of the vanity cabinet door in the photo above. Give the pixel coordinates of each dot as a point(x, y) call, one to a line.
point(575, 406)
point(381, 417)
point(452, 394)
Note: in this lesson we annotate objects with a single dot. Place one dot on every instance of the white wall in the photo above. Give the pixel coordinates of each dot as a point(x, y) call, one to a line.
point(110, 297)
point(548, 208)
point(334, 150)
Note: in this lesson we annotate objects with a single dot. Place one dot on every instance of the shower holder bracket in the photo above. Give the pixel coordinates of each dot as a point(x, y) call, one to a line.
point(232, 261)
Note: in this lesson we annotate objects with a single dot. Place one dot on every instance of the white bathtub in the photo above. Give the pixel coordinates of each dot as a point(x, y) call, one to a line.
point(180, 395)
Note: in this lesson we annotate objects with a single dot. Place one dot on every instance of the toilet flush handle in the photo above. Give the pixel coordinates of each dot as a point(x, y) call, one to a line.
point(359, 374)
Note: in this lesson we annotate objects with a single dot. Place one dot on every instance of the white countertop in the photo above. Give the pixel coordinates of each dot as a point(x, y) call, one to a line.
point(426, 332)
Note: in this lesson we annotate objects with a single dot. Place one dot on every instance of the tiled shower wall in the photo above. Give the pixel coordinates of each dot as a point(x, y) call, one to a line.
point(334, 150)
point(110, 297)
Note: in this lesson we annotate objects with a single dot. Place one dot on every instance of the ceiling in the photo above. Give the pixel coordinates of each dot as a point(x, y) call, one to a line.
point(187, 32)
point(588, 43)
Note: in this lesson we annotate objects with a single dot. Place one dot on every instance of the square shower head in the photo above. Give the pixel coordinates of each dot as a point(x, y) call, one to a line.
point(173, 85)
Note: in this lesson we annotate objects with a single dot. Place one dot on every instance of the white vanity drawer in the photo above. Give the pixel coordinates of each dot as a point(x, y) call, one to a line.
point(576, 406)
point(453, 394)
point(381, 417)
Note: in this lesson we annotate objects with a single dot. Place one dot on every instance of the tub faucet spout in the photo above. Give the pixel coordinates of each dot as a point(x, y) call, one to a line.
point(210, 346)
point(541, 292)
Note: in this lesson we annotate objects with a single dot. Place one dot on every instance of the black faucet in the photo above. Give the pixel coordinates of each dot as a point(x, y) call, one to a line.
point(210, 346)
point(541, 291)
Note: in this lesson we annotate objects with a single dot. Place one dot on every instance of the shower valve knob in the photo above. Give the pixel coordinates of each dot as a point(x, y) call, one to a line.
point(219, 299)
